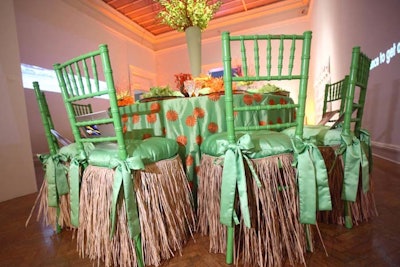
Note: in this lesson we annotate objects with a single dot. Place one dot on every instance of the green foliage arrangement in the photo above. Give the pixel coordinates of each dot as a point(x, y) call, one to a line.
point(158, 91)
point(182, 14)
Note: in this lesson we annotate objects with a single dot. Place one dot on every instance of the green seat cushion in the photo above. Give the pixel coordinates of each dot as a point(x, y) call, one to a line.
point(153, 149)
point(149, 150)
point(72, 150)
point(320, 134)
point(266, 143)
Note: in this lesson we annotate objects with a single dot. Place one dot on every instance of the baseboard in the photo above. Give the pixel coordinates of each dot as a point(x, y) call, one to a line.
point(36, 160)
point(386, 151)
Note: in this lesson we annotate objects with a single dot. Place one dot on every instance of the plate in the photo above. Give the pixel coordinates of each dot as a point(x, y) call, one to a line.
point(157, 98)
point(223, 92)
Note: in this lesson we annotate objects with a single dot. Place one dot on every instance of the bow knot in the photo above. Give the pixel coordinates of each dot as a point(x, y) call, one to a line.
point(55, 173)
point(312, 180)
point(74, 181)
point(354, 158)
point(234, 177)
point(122, 179)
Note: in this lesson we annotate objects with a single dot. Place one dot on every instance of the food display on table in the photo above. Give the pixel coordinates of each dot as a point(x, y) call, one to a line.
point(268, 89)
point(159, 93)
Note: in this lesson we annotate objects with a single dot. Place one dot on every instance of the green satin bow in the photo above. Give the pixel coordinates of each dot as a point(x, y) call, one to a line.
point(122, 178)
point(312, 180)
point(57, 183)
point(365, 140)
point(74, 183)
point(354, 157)
point(233, 176)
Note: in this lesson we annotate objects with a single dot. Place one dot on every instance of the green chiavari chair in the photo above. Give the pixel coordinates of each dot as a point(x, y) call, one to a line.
point(82, 109)
point(112, 201)
point(334, 92)
point(257, 160)
point(347, 140)
point(53, 195)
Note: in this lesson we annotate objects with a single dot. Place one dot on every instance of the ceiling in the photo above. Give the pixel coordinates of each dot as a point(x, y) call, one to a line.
point(137, 19)
point(144, 12)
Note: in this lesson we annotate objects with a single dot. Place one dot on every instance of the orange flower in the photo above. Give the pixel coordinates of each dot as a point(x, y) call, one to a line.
point(190, 121)
point(257, 97)
point(146, 135)
point(125, 101)
point(248, 99)
point(182, 140)
point(155, 107)
point(214, 97)
point(151, 118)
point(199, 139)
point(180, 78)
point(124, 118)
point(198, 112)
point(171, 115)
point(212, 127)
point(189, 160)
point(135, 118)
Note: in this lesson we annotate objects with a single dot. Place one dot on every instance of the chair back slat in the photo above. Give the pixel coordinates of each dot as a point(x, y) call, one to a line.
point(79, 79)
point(335, 92)
point(46, 119)
point(280, 57)
point(281, 62)
point(82, 109)
point(358, 78)
point(269, 57)
point(244, 56)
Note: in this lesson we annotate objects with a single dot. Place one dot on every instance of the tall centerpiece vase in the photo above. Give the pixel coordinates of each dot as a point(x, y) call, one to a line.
point(193, 40)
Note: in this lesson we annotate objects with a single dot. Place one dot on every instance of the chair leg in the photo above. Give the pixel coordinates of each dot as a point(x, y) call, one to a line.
point(347, 215)
point(230, 243)
point(58, 226)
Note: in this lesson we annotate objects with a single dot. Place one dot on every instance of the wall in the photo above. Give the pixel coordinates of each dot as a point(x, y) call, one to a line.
point(340, 25)
point(17, 173)
point(45, 39)
point(59, 117)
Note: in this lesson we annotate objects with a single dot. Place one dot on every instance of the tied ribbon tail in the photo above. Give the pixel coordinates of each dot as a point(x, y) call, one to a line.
point(122, 178)
point(365, 139)
point(57, 183)
point(233, 176)
point(354, 157)
point(61, 176)
point(313, 185)
point(366, 158)
point(74, 182)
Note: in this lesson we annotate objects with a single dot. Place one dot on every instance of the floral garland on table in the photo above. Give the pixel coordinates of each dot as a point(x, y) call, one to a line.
point(182, 14)
point(209, 84)
point(124, 99)
point(179, 81)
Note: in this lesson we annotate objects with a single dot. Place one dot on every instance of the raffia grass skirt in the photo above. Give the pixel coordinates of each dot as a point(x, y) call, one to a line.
point(363, 209)
point(165, 212)
point(48, 215)
point(276, 235)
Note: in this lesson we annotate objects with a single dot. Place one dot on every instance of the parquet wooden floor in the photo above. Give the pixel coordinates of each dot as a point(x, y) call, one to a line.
point(374, 243)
